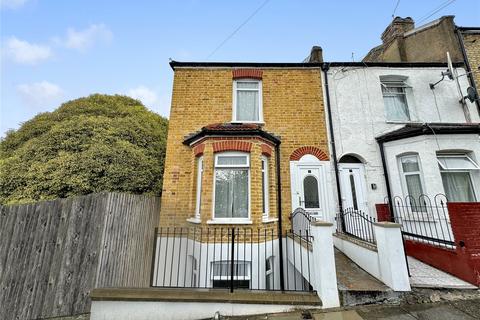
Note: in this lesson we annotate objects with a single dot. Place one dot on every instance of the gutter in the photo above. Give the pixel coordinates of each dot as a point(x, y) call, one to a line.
point(458, 31)
point(325, 68)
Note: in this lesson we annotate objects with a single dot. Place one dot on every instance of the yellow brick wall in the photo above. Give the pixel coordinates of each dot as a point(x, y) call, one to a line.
point(472, 47)
point(292, 109)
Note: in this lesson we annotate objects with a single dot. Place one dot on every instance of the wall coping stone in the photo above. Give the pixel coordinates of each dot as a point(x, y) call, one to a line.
point(387, 224)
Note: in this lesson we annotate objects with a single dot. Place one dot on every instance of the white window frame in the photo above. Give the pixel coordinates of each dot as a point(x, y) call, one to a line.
point(236, 263)
point(469, 171)
point(260, 100)
point(198, 201)
point(247, 167)
point(269, 273)
point(396, 82)
point(420, 214)
point(266, 186)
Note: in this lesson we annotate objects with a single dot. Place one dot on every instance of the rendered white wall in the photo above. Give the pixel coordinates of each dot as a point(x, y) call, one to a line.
point(387, 263)
point(358, 112)
point(141, 310)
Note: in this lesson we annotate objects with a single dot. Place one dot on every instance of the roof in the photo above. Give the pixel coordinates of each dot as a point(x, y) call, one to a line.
point(418, 129)
point(325, 65)
point(231, 129)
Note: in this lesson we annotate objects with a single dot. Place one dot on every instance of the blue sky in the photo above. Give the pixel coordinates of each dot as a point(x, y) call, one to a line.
point(53, 51)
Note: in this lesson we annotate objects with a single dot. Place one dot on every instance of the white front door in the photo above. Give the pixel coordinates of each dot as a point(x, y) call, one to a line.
point(353, 186)
point(309, 197)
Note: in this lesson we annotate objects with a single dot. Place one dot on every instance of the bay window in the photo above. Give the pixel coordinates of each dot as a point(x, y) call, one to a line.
point(232, 184)
point(456, 171)
point(247, 101)
point(412, 179)
point(265, 186)
point(199, 187)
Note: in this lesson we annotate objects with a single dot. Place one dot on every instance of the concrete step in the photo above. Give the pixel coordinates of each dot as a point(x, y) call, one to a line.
point(358, 287)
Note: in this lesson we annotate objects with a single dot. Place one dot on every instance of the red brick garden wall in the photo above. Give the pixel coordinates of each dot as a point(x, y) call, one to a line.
point(464, 260)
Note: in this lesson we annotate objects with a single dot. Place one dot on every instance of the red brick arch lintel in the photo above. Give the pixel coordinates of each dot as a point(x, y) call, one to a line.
point(300, 152)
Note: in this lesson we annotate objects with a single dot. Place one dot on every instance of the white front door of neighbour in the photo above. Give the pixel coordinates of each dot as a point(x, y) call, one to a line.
point(353, 186)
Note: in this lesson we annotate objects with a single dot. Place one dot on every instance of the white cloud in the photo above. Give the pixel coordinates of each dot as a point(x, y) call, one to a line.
point(84, 39)
point(12, 4)
point(24, 52)
point(40, 94)
point(144, 94)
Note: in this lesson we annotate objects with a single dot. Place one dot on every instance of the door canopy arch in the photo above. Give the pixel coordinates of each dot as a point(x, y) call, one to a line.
point(300, 152)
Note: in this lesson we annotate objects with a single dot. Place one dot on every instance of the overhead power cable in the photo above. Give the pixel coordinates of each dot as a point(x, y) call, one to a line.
point(442, 6)
point(395, 9)
point(238, 28)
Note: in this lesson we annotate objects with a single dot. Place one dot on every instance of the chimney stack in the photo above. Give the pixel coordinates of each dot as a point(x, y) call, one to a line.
point(397, 28)
point(316, 55)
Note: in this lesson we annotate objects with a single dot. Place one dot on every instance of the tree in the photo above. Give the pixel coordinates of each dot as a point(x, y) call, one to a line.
point(92, 144)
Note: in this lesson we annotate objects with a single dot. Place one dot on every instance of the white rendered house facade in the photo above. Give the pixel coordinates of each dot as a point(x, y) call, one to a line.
point(430, 141)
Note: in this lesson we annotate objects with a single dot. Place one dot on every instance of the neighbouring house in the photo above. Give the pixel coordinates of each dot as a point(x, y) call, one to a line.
point(403, 42)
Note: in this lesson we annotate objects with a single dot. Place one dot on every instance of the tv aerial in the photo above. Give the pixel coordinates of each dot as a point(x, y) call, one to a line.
point(451, 73)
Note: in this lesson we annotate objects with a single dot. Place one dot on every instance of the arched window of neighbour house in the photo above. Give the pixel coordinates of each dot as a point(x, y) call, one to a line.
point(458, 170)
point(412, 178)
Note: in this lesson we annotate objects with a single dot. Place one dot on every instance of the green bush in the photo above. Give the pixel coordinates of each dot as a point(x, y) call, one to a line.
point(93, 144)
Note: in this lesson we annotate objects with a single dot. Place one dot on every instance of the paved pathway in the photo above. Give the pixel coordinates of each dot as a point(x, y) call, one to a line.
point(453, 310)
point(425, 276)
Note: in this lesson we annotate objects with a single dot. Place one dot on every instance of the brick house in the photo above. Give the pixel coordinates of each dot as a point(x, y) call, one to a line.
point(256, 113)
point(247, 144)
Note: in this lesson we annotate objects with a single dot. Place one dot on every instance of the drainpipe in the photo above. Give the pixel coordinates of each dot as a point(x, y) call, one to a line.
point(467, 64)
point(325, 68)
point(279, 213)
point(387, 180)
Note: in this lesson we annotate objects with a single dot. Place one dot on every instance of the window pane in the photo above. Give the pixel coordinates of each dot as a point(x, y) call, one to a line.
point(458, 186)
point(410, 164)
point(231, 193)
point(414, 186)
point(310, 192)
point(232, 160)
point(247, 85)
point(396, 107)
point(354, 192)
point(460, 162)
point(247, 106)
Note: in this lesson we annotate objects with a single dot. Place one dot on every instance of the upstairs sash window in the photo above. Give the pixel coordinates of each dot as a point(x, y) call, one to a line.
point(247, 101)
point(395, 100)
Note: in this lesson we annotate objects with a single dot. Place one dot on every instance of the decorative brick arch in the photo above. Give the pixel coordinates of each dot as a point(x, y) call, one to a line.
point(232, 145)
point(300, 152)
point(247, 73)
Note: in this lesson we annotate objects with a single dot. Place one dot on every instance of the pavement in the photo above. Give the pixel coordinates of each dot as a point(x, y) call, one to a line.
point(425, 276)
point(446, 310)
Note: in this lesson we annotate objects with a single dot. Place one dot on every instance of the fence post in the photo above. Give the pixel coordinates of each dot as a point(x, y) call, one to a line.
point(232, 255)
point(393, 266)
point(154, 255)
point(324, 278)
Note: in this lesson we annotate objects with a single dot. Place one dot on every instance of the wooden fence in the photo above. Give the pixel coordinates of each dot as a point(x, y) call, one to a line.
point(53, 253)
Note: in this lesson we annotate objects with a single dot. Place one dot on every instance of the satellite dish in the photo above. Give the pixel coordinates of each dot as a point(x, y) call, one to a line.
point(472, 94)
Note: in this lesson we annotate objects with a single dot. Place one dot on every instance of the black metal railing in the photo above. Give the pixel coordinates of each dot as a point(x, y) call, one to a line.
point(231, 258)
point(424, 219)
point(300, 221)
point(357, 224)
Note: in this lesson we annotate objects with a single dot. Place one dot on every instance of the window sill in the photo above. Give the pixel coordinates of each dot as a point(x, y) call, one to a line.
point(194, 220)
point(269, 220)
point(229, 221)
point(257, 122)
